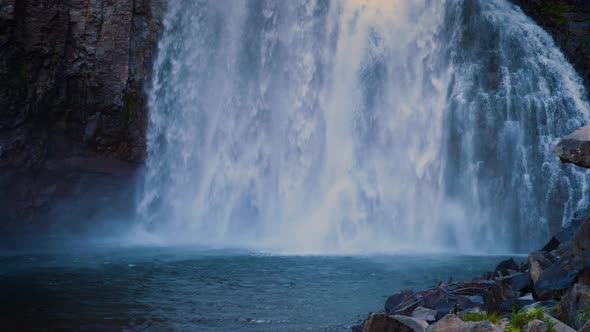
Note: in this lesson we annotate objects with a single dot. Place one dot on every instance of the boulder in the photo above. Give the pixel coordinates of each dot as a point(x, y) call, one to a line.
point(507, 267)
point(573, 301)
point(538, 262)
point(520, 282)
point(425, 314)
point(575, 148)
point(445, 306)
point(454, 303)
point(559, 326)
point(567, 233)
point(525, 300)
point(396, 299)
point(381, 322)
point(455, 324)
point(581, 244)
point(500, 297)
point(546, 305)
point(556, 278)
point(536, 326)
point(563, 250)
point(410, 324)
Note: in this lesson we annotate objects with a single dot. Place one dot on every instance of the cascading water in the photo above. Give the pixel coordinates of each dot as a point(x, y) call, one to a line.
point(375, 125)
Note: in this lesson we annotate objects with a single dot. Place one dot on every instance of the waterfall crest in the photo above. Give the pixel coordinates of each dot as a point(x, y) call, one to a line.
point(359, 125)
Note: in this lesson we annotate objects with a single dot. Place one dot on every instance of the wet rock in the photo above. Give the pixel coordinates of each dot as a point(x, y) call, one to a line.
point(536, 326)
point(563, 250)
point(525, 300)
point(575, 148)
point(568, 232)
point(581, 244)
point(500, 297)
point(507, 267)
point(520, 282)
point(555, 279)
point(455, 324)
point(573, 301)
point(425, 314)
point(396, 299)
point(538, 262)
point(382, 322)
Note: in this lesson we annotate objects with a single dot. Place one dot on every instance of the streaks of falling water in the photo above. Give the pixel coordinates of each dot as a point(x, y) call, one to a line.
point(354, 126)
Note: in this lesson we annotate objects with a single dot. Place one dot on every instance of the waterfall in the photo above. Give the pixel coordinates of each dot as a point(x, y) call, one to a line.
point(359, 125)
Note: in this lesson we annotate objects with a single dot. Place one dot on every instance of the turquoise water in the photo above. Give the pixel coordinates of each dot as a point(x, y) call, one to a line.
point(189, 289)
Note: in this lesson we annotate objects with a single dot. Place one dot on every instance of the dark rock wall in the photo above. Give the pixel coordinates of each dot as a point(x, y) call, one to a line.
point(568, 22)
point(72, 104)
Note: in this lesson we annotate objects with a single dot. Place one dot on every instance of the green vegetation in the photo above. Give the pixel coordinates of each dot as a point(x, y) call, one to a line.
point(550, 325)
point(518, 320)
point(584, 314)
point(493, 317)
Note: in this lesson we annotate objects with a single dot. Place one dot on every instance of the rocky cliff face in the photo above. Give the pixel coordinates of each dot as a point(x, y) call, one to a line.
point(73, 117)
point(568, 22)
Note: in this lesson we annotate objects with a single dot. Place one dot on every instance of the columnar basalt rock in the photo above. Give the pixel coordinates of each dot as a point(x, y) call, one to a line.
point(72, 80)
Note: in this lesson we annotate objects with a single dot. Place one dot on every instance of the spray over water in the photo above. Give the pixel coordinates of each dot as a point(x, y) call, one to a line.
point(355, 126)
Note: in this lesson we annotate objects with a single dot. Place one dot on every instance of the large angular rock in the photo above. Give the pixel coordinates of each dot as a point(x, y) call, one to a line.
point(525, 300)
point(455, 324)
point(410, 324)
point(575, 299)
point(507, 267)
point(425, 314)
point(447, 304)
point(567, 233)
point(556, 278)
point(536, 326)
point(581, 244)
point(559, 326)
point(500, 297)
point(396, 299)
point(381, 322)
point(545, 305)
point(538, 262)
point(575, 148)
